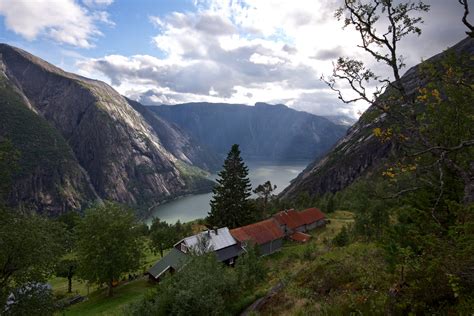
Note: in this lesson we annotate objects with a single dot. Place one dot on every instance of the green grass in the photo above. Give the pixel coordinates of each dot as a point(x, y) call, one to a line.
point(99, 304)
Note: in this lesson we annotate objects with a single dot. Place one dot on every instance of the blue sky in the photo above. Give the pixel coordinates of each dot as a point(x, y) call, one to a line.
point(237, 51)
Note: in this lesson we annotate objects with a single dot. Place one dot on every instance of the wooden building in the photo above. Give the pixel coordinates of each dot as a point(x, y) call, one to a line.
point(267, 234)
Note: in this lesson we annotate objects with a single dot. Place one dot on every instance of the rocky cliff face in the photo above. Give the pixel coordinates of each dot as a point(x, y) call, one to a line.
point(359, 153)
point(121, 154)
point(178, 142)
point(263, 131)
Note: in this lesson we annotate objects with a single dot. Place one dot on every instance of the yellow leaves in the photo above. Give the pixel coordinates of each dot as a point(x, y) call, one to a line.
point(383, 135)
point(426, 95)
point(389, 174)
point(377, 132)
point(397, 170)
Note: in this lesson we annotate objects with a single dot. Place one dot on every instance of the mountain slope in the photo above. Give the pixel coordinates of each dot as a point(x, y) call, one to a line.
point(177, 141)
point(50, 179)
point(263, 131)
point(359, 153)
point(124, 158)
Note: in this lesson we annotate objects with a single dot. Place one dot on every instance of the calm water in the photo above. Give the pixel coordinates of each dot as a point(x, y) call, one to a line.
point(197, 206)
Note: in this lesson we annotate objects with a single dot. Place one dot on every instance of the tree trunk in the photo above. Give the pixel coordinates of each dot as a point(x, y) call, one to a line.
point(110, 290)
point(69, 283)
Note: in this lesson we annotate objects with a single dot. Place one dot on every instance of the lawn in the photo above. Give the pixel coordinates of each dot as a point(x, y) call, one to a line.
point(99, 304)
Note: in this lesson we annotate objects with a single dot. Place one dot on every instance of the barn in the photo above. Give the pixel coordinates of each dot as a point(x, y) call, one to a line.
point(312, 218)
point(292, 221)
point(267, 234)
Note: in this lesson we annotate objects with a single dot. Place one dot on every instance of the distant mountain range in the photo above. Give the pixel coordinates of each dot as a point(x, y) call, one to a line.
point(81, 141)
point(264, 131)
point(359, 153)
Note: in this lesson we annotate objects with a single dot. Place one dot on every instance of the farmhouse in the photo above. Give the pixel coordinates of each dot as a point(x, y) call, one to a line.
point(219, 241)
point(267, 234)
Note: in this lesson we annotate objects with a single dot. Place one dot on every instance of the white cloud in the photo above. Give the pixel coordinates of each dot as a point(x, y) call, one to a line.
point(94, 3)
point(251, 50)
point(65, 21)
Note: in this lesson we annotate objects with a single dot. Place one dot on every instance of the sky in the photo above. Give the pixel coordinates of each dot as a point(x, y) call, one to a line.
point(232, 51)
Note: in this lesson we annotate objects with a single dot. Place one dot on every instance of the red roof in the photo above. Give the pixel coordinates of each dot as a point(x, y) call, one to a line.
point(290, 218)
point(260, 232)
point(311, 215)
point(301, 237)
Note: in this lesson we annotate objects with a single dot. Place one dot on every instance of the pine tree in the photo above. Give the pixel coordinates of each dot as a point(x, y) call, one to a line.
point(230, 205)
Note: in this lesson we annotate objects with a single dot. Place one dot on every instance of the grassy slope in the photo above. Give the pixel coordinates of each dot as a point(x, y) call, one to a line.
point(282, 266)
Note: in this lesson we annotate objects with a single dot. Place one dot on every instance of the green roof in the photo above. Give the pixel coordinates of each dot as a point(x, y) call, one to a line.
point(174, 259)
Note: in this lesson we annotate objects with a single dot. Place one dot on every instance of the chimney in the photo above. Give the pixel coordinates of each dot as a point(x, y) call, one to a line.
point(216, 230)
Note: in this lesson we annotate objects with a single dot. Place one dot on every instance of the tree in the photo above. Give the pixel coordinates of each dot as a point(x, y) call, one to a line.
point(249, 268)
point(204, 286)
point(411, 129)
point(264, 192)
point(29, 248)
point(162, 235)
point(342, 238)
point(230, 205)
point(108, 244)
point(66, 268)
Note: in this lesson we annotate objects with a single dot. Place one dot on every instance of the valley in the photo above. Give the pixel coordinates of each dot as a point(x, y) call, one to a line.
point(204, 157)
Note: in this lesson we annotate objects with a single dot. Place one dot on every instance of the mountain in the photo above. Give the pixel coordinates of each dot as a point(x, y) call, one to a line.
point(264, 132)
point(81, 141)
point(359, 153)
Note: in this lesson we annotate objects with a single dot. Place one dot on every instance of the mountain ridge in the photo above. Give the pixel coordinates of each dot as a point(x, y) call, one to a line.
point(263, 131)
point(123, 156)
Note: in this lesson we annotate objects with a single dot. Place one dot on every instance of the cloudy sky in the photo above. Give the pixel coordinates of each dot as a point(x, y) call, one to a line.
point(235, 51)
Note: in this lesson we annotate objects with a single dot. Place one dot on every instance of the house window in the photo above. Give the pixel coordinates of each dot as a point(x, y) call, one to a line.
point(184, 248)
point(231, 261)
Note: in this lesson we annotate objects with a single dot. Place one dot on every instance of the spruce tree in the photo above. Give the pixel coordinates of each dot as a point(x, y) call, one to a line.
point(230, 205)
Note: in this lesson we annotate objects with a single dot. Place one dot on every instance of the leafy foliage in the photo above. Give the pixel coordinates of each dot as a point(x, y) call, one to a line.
point(264, 192)
point(203, 287)
point(108, 244)
point(164, 235)
point(29, 248)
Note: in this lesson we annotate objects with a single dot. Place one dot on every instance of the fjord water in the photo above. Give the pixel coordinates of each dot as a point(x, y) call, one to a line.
point(191, 207)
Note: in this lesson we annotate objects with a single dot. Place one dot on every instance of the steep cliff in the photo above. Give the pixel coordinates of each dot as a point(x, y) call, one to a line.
point(124, 158)
point(359, 153)
point(178, 142)
point(263, 131)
